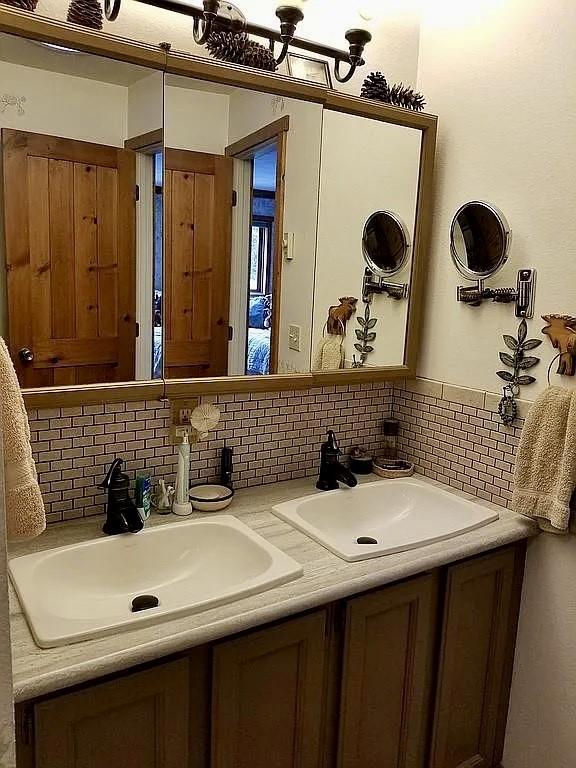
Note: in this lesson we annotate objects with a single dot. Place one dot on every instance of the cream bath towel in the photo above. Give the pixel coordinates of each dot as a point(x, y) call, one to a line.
point(25, 516)
point(545, 474)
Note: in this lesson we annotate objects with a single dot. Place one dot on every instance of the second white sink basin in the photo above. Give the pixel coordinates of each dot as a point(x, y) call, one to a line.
point(394, 515)
point(86, 590)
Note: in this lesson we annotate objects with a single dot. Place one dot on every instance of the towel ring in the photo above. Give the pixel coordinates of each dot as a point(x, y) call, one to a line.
point(558, 356)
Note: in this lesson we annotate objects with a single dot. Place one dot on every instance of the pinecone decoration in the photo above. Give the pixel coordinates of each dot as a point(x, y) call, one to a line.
point(87, 13)
point(404, 96)
point(376, 87)
point(23, 5)
point(258, 56)
point(237, 48)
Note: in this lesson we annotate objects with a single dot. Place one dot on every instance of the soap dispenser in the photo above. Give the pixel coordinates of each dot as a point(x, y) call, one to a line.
point(122, 515)
point(182, 506)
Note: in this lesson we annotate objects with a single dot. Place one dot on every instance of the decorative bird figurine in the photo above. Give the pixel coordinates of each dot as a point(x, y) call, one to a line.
point(562, 332)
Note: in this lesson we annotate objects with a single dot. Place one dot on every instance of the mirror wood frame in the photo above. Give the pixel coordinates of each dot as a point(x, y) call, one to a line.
point(23, 24)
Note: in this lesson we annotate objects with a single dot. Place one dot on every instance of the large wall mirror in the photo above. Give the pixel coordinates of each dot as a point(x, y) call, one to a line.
point(82, 215)
point(156, 226)
point(241, 210)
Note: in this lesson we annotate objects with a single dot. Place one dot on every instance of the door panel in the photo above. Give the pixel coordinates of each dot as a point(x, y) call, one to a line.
point(198, 221)
point(268, 697)
point(70, 253)
point(480, 620)
point(138, 721)
point(387, 677)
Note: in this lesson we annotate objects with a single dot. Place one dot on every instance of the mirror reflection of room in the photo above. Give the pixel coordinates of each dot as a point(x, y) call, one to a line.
point(368, 198)
point(81, 158)
point(241, 203)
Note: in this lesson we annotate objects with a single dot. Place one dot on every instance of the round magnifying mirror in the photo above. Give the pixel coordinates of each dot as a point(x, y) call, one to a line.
point(479, 240)
point(385, 243)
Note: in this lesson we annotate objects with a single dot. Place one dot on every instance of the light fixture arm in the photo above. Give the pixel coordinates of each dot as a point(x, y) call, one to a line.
point(290, 17)
point(202, 29)
point(358, 39)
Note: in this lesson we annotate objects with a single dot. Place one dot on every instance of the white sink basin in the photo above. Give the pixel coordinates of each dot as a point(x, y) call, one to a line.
point(86, 590)
point(397, 514)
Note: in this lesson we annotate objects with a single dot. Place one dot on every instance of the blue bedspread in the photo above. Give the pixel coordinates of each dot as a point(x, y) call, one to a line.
point(258, 351)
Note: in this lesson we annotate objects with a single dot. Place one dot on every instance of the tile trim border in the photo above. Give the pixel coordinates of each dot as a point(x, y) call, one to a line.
point(452, 393)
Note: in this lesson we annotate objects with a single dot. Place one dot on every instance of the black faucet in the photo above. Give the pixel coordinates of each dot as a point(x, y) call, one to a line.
point(331, 470)
point(122, 515)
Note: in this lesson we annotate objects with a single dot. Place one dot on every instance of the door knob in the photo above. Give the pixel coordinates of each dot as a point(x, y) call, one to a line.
point(26, 355)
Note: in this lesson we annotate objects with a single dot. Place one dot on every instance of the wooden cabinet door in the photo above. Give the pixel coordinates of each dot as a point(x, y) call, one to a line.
point(477, 655)
point(268, 696)
point(70, 218)
point(387, 684)
point(137, 721)
point(197, 256)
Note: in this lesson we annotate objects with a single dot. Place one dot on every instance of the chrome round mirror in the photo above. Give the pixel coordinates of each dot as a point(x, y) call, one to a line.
point(479, 240)
point(385, 243)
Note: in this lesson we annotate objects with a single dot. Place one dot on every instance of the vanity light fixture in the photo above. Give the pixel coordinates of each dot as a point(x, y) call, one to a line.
point(480, 241)
point(226, 17)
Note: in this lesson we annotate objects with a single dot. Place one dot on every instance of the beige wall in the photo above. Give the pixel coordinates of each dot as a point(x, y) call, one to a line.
point(195, 120)
point(501, 76)
point(7, 756)
point(367, 166)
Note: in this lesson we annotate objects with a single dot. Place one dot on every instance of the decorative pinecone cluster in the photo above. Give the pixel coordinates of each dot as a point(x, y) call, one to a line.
point(23, 5)
point(87, 13)
point(237, 48)
point(376, 87)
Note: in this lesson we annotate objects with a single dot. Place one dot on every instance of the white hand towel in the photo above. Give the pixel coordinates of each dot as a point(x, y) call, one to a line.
point(545, 473)
point(25, 516)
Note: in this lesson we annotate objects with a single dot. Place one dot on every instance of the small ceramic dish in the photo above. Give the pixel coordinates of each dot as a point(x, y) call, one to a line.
point(392, 469)
point(210, 497)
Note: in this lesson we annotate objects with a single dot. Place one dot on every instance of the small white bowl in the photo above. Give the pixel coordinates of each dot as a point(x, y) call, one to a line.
point(210, 497)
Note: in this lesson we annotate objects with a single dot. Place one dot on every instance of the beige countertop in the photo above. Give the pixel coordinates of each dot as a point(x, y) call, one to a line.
point(326, 578)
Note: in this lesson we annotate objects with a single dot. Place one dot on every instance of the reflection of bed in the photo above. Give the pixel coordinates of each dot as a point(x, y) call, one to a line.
point(258, 351)
point(157, 361)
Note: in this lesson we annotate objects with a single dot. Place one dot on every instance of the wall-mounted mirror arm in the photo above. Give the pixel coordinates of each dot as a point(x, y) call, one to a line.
point(522, 295)
point(373, 283)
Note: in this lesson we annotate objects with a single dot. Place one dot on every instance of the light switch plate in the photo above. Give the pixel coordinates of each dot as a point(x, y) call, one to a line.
point(294, 334)
point(180, 421)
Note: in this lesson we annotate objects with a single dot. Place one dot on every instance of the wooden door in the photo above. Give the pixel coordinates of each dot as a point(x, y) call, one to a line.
point(477, 655)
point(387, 677)
point(137, 721)
point(197, 255)
point(268, 697)
point(69, 209)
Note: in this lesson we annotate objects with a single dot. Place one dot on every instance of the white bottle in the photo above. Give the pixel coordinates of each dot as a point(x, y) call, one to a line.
point(182, 506)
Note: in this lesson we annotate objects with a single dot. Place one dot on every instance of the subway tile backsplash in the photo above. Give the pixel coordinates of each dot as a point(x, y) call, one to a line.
point(464, 446)
point(275, 436)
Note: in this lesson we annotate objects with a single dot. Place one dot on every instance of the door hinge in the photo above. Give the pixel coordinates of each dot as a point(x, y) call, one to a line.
point(25, 725)
point(230, 333)
point(137, 330)
point(137, 193)
point(234, 198)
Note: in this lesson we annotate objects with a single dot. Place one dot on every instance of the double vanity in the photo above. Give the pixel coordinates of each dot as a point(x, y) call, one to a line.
point(279, 640)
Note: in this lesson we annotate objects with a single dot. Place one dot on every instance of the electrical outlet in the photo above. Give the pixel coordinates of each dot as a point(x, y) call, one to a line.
point(294, 333)
point(181, 411)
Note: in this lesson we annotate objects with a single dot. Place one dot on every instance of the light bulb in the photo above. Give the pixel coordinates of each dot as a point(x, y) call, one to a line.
point(293, 4)
point(368, 9)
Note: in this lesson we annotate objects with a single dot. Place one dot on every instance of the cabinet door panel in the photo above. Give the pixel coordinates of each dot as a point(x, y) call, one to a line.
point(388, 658)
point(480, 620)
point(268, 697)
point(137, 721)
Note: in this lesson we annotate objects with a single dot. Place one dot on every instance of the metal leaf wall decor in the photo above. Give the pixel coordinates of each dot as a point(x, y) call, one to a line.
point(365, 335)
point(519, 361)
